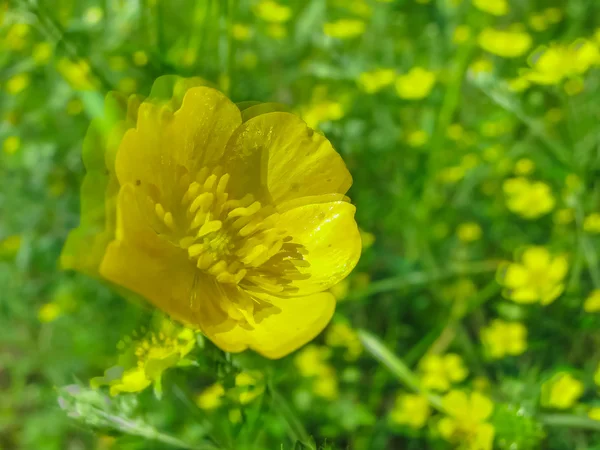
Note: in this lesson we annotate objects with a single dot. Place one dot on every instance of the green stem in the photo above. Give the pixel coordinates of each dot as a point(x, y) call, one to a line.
point(296, 430)
point(381, 353)
point(570, 421)
point(423, 278)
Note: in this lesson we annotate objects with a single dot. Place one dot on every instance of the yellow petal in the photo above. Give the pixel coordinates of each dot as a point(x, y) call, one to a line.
point(278, 152)
point(331, 241)
point(456, 403)
point(536, 258)
point(481, 407)
point(165, 143)
point(523, 295)
point(516, 276)
point(289, 325)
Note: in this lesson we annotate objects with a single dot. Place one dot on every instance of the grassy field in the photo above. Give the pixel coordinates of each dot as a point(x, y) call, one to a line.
point(471, 129)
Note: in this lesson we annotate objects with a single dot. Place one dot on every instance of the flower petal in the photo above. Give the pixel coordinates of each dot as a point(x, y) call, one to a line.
point(288, 325)
point(330, 239)
point(481, 407)
point(277, 151)
point(167, 143)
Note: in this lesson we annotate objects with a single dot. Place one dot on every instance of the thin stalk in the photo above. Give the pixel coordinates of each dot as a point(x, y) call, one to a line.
point(570, 421)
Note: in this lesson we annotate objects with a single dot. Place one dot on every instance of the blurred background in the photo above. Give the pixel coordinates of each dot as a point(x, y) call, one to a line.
point(471, 128)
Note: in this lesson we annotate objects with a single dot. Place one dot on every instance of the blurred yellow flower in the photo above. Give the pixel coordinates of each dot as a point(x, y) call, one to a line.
point(340, 290)
point(591, 223)
point(518, 84)
point(42, 52)
point(207, 233)
point(561, 392)
point(277, 31)
point(248, 386)
point(592, 302)
point(93, 15)
point(502, 338)
point(538, 22)
point(341, 335)
point(469, 232)
point(564, 216)
point(143, 361)
point(376, 80)
point(77, 74)
point(127, 85)
point(17, 36)
point(538, 277)
point(553, 15)
point(211, 397)
point(494, 7)
point(466, 419)
point(17, 83)
point(49, 312)
point(524, 166)
point(10, 245)
point(439, 372)
point(344, 28)
point(528, 199)
point(462, 33)
point(322, 111)
point(416, 84)
point(505, 43)
point(241, 32)
point(411, 410)
point(326, 385)
point(558, 62)
point(140, 58)
point(417, 138)
point(271, 11)
point(312, 363)
point(11, 145)
point(594, 414)
point(481, 65)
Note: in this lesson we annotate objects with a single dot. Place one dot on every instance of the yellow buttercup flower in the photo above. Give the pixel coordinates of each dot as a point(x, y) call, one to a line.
point(505, 43)
point(211, 397)
point(592, 302)
point(17, 83)
point(143, 360)
point(140, 58)
point(76, 73)
point(524, 166)
point(439, 372)
point(564, 216)
point(559, 62)
point(248, 386)
point(529, 199)
point(230, 219)
point(416, 84)
point(481, 65)
point(494, 7)
point(312, 363)
point(49, 312)
point(518, 84)
point(411, 410)
point(322, 111)
point(344, 28)
point(594, 414)
point(469, 232)
point(241, 32)
point(326, 385)
point(466, 420)
point(462, 33)
point(562, 391)
point(417, 138)
point(502, 338)
point(42, 52)
point(591, 224)
point(376, 80)
point(538, 22)
point(341, 335)
point(537, 277)
point(273, 12)
point(11, 145)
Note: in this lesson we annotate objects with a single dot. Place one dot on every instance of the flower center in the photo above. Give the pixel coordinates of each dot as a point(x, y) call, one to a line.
point(237, 241)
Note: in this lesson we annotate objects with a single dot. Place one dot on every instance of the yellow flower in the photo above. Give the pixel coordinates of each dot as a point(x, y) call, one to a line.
point(140, 58)
point(77, 74)
point(518, 84)
point(417, 138)
point(528, 199)
point(524, 166)
point(594, 414)
point(93, 15)
point(49, 312)
point(416, 84)
point(553, 15)
point(312, 361)
point(10, 245)
point(562, 391)
point(248, 386)
point(462, 33)
point(11, 145)
point(344, 28)
point(374, 81)
point(466, 421)
point(439, 372)
point(502, 338)
point(592, 302)
point(411, 410)
point(273, 12)
point(469, 232)
point(326, 385)
point(554, 64)
point(367, 239)
point(143, 361)
point(42, 52)
point(340, 290)
point(17, 36)
point(494, 7)
point(538, 277)
point(507, 44)
point(231, 221)
point(17, 83)
point(538, 22)
point(591, 224)
point(322, 111)
point(241, 32)
point(211, 397)
point(564, 216)
point(341, 335)
point(481, 65)
point(277, 31)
